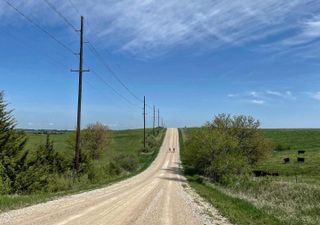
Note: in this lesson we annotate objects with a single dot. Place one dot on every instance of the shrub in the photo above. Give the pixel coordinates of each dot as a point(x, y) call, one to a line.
point(12, 153)
point(112, 169)
point(128, 163)
point(226, 146)
point(96, 173)
point(282, 147)
point(41, 170)
point(95, 139)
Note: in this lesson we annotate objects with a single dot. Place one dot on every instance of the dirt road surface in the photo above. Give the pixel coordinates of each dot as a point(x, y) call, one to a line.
point(159, 195)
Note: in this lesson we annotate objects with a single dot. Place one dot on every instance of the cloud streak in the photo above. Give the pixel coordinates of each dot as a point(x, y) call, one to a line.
point(263, 97)
point(315, 95)
point(149, 28)
point(256, 101)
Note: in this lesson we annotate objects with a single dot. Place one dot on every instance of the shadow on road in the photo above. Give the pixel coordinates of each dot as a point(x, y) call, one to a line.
point(176, 171)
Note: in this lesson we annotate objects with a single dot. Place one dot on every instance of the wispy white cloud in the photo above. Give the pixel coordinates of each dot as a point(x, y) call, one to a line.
point(275, 93)
point(232, 95)
point(314, 95)
point(262, 97)
point(257, 101)
point(285, 94)
point(254, 94)
point(150, 27)
point(309, 31)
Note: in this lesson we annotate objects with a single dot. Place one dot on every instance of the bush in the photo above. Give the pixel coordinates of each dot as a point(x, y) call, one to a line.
point(197, 179)
point(226, 146)
point(282, 147)
point(152, 140)
point(128, 163)
point(112, 169)
point(40, 170)
point(12, 154)
point(95, 139)
point(96, 173)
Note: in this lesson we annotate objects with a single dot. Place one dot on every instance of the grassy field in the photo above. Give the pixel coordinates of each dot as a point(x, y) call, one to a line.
point(290, 141)
point(126, 143)
point(291, 198)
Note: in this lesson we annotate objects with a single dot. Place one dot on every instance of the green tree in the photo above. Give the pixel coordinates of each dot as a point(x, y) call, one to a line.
point(12, 153)
point(42, 169)
point(96, 139)
point(226, 146)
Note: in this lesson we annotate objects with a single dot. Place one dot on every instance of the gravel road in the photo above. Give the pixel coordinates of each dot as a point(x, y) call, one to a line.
point(159, 195)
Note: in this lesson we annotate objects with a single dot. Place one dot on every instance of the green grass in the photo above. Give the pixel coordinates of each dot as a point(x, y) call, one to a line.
point(238, 211)
point(292, 198)
point(60, 140)
point(128, 142)
point(124, 142)
point(304, 139)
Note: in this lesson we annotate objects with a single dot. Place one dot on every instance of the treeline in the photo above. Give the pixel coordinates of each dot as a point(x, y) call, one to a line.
point(24, 171)
point(226, 147)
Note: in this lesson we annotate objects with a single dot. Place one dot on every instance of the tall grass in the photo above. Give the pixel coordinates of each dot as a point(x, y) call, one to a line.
point(290, 202)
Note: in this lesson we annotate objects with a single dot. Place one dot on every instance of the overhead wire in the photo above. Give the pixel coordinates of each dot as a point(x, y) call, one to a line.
point(91, 47)
point(94, 50)
point(113, 89)
point(60, 15)
point(39, 27)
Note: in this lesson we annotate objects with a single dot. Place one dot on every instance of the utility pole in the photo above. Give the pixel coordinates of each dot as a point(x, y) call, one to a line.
point(144, 122)
point(154, 118)
point(158, 117)
point(77, 156)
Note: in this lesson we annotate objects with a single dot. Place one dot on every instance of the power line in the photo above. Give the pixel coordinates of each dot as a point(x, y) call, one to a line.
point(98, 55)
point(74, 7)
point(60, 14)
point(95, 52)
point(39, 27)
point(92, 48)
point(113, 89)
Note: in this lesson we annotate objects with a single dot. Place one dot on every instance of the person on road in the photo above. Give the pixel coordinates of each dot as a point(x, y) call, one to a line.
point(169, 149)
point(174, 149)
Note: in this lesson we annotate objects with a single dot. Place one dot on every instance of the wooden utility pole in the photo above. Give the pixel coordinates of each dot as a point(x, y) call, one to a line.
point(158, 117)
point(144, 122)
point(154, 118)
point(77, 156)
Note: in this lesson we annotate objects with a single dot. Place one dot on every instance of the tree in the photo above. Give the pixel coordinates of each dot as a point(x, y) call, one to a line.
point(12, 153)
point(226, 146)
point(42, 168)
point(96, 138)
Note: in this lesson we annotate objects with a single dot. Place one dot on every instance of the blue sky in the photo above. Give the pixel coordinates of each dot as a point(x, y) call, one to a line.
point(193, 59)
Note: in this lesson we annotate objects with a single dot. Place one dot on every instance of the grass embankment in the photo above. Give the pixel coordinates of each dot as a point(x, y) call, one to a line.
point(291, 198)
point(126, 143)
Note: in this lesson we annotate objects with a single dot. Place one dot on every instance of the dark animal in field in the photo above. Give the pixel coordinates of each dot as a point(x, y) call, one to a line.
point(286, 160)
point(261, 173)
point(301, 152)
point(300, 159)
